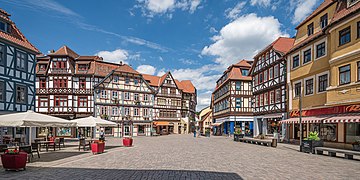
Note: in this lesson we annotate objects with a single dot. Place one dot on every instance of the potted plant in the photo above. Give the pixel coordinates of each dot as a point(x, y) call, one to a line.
point(356, 145)
point(207, 132)
point(97, 146)
point(309, 144)
point(127, 141)
point(13, 159)
point(238, 134)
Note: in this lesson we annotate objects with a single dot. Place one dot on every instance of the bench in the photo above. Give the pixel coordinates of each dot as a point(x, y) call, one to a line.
point(332, 152)
point(256, 141)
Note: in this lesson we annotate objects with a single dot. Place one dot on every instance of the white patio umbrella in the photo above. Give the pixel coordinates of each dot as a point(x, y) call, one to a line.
point(33, 119)
point(93, 122)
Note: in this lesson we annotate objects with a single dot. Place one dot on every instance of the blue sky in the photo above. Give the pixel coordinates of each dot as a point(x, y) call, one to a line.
point(194, 39)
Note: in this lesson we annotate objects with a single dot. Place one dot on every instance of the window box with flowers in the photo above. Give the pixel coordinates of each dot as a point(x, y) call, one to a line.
point(13, 159)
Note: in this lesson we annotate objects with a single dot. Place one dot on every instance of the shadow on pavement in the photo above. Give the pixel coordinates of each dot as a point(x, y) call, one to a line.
point(83, 173)
point(54, 156)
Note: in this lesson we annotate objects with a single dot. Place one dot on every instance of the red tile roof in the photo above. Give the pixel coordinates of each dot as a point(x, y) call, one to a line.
point(126, 68)
point(342, 11)
point(187, 86)
point(318, 10)
point(15, 36)
point(65, 51)
point(234, 72)
point(155, 81)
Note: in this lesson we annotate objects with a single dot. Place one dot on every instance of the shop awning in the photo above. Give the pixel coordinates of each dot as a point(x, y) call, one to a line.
point(161, 123)
point(217, 124)
point(310, 119)
point(343, 118)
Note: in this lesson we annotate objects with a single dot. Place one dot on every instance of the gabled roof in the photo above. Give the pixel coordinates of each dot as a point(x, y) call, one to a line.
point(318, 10)
point(153, 80)
point(65, 51)
point(126, 68)
point(234, 72)
point(89, 58)
point(342, 11)
point(15, 36)
point(186, 85)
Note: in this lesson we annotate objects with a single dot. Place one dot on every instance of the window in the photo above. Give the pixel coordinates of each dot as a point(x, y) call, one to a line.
point(238, 102)
point(136, 82)
point(21, 60)
point(324, 21)
point(127, 96)
point(114, 94)
point(42, 82)
point(161, 101)
point(278, 95)
point(320, 50)
point(307, 56)
point(146, 112)
point(351, 2)
point(127, 80)
point(42, 67)
point(5, 27)
point(83, 101)
point(272, 97)
point(344, 74)
point(310, 29)
point(103, 94)
point(59, 63)
point(265, 76)
point(127, 111)
point(266, 98)
point(271, 73)
point(83, 67)
point(344, 36)
point(2, 54)
point(238, 85)
point(276, 71)
point(297, 89)
point(146, 97)
point(136, 111)
point(21, 94)
point(136, 97)
point(352, 132)
point(115, 111)
point(61, 101)
point(358, 29)
point(116, 79)
point(2, 91)
point(323, 82)
point(309, 86)
point(60, 83)
point(244, 72)
point(358, 70)
point(261, 76)
point(261, 99)
point(82, 83)
point(296, 61)
point(43, 102)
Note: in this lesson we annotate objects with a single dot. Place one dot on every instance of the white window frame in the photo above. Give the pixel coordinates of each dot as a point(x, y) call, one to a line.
point(301, 89)
point(315, 48)
point(127, 97)
point(303, 57)
point(136, 112)
point(116, 110)
point(317, 81)
point(103, 94)
point(126, 111)
point(113, 93)
point(116, 79)
point(304, 85)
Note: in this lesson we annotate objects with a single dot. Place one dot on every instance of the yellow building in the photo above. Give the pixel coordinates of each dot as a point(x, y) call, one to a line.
point(205, 120)
point(323, 73)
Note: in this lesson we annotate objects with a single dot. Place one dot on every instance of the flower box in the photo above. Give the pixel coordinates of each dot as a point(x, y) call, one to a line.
point(127, 142)
point(97, 147)
point(308, 146)
point(14, 161)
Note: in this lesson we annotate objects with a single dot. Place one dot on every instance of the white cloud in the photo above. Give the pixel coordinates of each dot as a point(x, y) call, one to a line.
point(146, 69)
point(264, 3)
point(114, 56)
point(203, 100)
point(243, 38)
point(213, 30)
point(302, 9)
point(233, 13)
point(150, 8)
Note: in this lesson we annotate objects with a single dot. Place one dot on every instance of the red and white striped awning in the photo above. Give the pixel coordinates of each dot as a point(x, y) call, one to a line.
point(343, 118)
point(310, 119)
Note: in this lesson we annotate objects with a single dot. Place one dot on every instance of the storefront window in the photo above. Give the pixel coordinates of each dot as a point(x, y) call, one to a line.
point(249, 129)
point(352, 132)
point(328, 132)
point(43, 131)
point(273, 126)
point(63, 132)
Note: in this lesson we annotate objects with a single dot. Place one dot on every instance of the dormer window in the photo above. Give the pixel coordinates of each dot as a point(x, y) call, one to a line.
point(5, 27)
point(42, 67)
point(83, 67)
point(59, 63)
point(352, 2)
point(310, 29)
point(244, 72)
point(324, 21)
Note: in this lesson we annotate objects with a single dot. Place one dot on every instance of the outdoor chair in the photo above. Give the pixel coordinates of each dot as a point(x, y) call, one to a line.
point(28, 150)
point(62, 142)
point(83, 144)
point(55, 143)
point(35, 148)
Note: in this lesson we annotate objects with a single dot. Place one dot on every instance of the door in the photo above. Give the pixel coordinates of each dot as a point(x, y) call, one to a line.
point(127, 130)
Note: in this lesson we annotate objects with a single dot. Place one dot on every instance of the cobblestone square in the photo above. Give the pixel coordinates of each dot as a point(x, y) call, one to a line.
point(186, 157)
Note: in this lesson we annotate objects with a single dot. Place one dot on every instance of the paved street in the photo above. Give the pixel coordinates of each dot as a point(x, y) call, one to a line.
point(185, 157)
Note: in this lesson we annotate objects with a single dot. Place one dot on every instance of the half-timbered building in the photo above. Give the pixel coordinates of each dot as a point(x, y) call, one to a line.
point(268, 73)
point(231, 100)
point(64, 85)
point(124, 97)
point(175, 103)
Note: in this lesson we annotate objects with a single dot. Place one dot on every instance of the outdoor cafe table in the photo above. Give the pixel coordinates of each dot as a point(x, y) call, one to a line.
point(46, 143)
